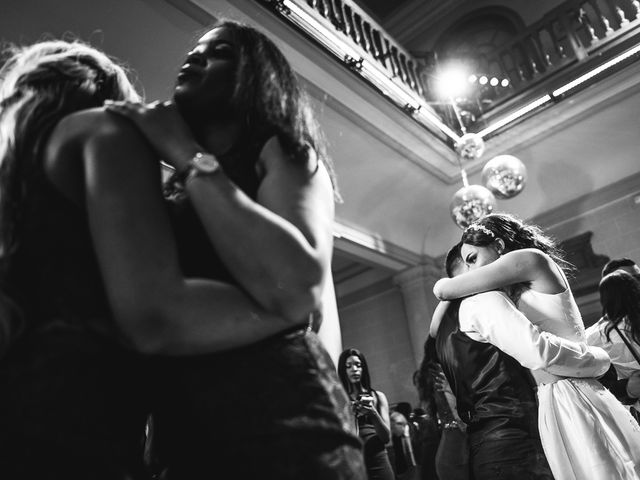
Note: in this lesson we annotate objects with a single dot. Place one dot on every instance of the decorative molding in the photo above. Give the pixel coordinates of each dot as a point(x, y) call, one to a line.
point(366, 294)
point(402, 22)
point(602, 94)
point(372, 248)
point(426, 271)
point(589, 202)
point(432, 156)
point(579, 252)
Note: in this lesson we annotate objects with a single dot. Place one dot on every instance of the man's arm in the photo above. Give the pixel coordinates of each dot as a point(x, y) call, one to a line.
point(495, 319)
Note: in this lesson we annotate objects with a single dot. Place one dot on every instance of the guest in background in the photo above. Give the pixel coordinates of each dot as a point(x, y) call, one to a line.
point(371, 409)
point(618, 333)
point(501, 251)
point(402, 450)
point(427, 437)
point(625, 264)
point(446, 452)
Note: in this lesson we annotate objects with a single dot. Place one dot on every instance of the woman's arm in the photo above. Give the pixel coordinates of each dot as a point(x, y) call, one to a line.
point(278, 247)
point(438, 316)
point(518, 266)
point(380, 416)
point(158, 309)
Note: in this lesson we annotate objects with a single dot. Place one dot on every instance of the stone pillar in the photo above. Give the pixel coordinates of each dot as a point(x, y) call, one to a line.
point(416, 285)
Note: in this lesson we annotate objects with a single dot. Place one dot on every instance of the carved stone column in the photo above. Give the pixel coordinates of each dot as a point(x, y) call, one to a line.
point(416, 285)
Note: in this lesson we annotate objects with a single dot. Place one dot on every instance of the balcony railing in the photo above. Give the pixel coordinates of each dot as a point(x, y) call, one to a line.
point(567, 36)
point(569, 40)
point(358, 27)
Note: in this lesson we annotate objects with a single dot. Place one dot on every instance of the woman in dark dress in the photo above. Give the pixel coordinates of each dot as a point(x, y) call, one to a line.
point(251, 205)
point(372, 413)
point(246, 280)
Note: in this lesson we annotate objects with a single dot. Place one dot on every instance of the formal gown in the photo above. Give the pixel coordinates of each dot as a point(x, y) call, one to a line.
point(587, 434)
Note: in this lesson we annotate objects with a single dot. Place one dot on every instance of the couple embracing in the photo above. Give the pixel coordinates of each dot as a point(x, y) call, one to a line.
point(515, 353)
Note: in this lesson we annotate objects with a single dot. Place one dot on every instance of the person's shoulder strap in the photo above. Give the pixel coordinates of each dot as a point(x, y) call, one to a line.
point(628, 344)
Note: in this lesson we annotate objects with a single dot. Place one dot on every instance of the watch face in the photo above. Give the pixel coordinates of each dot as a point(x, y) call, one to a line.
point(206, 163)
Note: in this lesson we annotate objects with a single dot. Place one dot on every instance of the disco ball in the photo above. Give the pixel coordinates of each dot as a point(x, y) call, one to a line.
point(470, 147)
point(470, 204)
point(505, 176)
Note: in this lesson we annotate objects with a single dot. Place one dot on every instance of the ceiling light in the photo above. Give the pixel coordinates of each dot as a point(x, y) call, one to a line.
point(452, 81)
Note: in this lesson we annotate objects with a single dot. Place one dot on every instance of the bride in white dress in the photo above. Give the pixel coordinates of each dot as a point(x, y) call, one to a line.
point(586, 433)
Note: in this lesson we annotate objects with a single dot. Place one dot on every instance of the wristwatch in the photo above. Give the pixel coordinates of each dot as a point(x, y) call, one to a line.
point(200, 164)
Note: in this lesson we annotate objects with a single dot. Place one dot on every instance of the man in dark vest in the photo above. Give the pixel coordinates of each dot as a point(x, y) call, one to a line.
point(486, 349)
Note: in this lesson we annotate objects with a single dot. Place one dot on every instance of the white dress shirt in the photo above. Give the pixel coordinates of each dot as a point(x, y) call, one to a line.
point(621, 357)
point(491, 317)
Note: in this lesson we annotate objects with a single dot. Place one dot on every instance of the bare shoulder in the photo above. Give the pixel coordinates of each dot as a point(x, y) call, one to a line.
point(532, 255)
point(74, 130)
point(533, 262)
point(382, 397)
point(84, 125)
point(306, 164)
point(63, 153)
point(547, 276)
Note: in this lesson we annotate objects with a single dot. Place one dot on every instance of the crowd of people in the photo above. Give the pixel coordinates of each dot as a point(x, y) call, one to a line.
point(136, 309)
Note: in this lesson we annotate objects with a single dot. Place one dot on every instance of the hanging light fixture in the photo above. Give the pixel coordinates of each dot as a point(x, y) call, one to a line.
point(505, 176)
point(471, 202)
point(470, 146)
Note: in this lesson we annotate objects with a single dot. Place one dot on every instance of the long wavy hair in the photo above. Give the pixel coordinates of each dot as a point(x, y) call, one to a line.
point(620, 300)
point(270, 98)
point(365, 379)
point(39, 85)
point(516, 235)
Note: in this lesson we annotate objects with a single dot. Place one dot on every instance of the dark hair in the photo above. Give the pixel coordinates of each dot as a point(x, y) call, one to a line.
point(620, 299)
point(423, 378)
point(453, 259)
point(515, 234)
point(405, 409)
point(269, 96)
point(39, 85)
point(365, 379)
point(615, 264)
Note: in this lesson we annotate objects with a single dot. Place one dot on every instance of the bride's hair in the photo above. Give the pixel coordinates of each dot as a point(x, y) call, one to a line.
point(515, 234)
